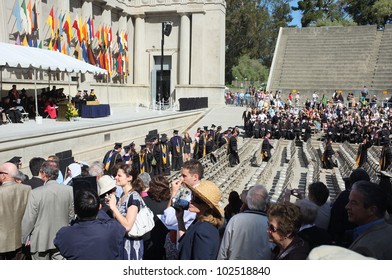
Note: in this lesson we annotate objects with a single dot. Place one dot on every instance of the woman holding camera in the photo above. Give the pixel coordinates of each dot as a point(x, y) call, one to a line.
point(201, 240)
point(284, 222)
point(126, 209)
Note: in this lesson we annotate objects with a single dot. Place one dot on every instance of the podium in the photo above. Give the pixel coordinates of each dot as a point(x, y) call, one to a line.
point(62, 109)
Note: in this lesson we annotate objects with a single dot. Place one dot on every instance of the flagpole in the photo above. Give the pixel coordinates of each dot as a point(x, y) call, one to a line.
point(69, 86)
point(1, 81)
point(36, 95)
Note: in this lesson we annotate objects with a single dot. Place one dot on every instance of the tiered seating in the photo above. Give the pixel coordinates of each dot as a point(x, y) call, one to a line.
point(335, 58)
point(313, 174)
point(383, 71)
point(285, 176)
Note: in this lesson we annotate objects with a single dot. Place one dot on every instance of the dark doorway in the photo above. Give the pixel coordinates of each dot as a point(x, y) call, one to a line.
point(163, 95)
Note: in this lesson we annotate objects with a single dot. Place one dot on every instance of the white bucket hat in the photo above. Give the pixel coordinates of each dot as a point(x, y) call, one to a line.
point(105, 184)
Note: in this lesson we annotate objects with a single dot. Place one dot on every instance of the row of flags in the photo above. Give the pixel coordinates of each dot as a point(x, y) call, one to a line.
point(26, 16)
point(95, 45)
point(85, 31)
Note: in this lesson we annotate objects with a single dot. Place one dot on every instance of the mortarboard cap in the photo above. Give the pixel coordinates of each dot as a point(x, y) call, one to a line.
point(213, 126)
point(175, 131)
point(164, 137)
point(117, 145)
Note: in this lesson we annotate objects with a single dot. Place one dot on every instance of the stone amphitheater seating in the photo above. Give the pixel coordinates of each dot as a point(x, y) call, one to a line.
point(329, 58)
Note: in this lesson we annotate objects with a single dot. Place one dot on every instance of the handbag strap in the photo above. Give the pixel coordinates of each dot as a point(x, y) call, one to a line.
point(142, 204)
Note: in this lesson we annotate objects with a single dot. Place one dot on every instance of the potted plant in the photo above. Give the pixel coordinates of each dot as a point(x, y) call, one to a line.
point(71, 112)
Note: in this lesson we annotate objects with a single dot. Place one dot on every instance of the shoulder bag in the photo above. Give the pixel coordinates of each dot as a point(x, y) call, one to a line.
point(144, 221)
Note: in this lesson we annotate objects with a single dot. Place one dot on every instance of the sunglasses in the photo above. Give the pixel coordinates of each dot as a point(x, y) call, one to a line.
point(196, 200)
point(271, 228)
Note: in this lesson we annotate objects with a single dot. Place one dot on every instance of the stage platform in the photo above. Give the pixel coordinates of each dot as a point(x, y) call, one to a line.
point(90, 138)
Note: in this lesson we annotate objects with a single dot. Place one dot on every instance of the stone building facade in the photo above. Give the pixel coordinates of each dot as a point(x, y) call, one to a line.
point(125, 37)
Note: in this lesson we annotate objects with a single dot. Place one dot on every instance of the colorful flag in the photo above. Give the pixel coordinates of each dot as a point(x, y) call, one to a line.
point(78, 51)
point(76, 26)
point(124, 58)
point(30, 41)
point(84, 52)
point(90, 55)
point(17, 42)
point(50, 21)
point(30, 15)
point(92, 28)
point(26, 25)
point(119, 64)
point(25, 43)
point(34, 19)
point(61, 20)
point(119, 42)
point(67, 28)
point(16, 14)
point(84, 31)
point(55, 45)
point(105, 37)
point(50, 46)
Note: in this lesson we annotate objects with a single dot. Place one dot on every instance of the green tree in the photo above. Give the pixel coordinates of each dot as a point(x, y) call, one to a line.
point(382, 11)
point(360, 11)
point(311, 11)
point(245, 30)
point(250, 69)
point(314, 11)
point(252, 28)
point(328, 22)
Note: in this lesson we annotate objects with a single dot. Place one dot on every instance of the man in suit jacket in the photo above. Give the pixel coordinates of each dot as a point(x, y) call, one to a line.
point(35, 165)
point(13, 200)
point(366, 208)
point(49, 208)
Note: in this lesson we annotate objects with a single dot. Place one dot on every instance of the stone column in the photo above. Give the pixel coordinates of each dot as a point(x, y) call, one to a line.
point(139, 49)
point(130, 31)
point(197, 55)
point(4, 33)
point(185, 40)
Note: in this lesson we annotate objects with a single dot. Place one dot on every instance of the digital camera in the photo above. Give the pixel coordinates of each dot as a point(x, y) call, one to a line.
point(181, 203)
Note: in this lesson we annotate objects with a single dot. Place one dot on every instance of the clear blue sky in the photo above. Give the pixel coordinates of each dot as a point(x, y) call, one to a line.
point(295, 14)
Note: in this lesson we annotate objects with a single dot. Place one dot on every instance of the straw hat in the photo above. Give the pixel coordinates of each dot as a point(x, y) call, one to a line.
point(210, 194)
point(105, 184)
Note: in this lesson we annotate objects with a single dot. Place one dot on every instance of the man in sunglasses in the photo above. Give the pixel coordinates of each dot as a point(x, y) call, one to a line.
point(13, 201)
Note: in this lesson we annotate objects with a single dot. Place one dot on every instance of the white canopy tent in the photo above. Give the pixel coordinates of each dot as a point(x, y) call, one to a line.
point(13, 56)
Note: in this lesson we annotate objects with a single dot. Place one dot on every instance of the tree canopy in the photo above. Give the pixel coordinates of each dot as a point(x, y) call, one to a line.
point(252, 28)
point(250, 69)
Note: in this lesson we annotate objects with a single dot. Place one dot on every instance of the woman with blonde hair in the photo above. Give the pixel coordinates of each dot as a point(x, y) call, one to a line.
point(186, 143)
point(126, 209)
point(201, 240)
